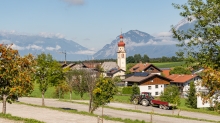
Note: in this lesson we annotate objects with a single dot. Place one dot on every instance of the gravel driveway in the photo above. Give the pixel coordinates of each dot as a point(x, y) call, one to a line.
point(111, 112)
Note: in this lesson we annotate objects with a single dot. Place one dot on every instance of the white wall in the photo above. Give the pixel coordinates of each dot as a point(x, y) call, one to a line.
point(196, 81)
point(120, 73)
point(200, 103)
point(153, 90)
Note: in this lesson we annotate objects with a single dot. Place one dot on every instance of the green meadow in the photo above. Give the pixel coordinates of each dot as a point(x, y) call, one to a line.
point(168, 64)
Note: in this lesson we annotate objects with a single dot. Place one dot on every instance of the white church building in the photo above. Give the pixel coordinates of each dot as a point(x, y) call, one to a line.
point(112, 69)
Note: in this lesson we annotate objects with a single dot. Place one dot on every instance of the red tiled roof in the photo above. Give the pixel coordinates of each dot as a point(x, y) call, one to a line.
point(166, 72)
point(178, 78)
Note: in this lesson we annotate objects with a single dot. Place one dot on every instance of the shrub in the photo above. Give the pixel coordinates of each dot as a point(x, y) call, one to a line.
point(171, 95)
point(127, 90)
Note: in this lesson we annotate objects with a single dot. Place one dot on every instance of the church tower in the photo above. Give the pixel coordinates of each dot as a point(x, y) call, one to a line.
point(121, 54)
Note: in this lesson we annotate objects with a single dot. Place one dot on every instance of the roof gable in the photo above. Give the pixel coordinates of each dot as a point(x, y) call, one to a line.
point(139, 67)
point(142, 78)
point(114, 70)
point(109, 65)
point(90, 65)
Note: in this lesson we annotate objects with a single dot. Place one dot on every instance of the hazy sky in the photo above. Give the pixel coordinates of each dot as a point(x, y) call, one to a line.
point(91, 23)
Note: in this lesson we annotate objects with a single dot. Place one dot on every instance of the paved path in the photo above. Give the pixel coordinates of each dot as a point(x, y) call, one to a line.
point(47, 115)
point(2, 120)
point(125, 114)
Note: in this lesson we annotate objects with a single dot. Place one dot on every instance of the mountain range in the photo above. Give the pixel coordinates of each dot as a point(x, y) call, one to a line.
point(137, 42)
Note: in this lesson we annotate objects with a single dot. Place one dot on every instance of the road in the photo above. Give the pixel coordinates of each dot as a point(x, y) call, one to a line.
point(110, 112)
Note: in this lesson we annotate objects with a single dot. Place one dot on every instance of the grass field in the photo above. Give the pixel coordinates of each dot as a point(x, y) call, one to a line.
point(160, 65)
point(168, 64)
point(50, 93)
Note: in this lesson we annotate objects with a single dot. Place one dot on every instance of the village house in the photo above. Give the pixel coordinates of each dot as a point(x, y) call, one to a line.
point(183, 82)
point(148, 82)
point(145, 67)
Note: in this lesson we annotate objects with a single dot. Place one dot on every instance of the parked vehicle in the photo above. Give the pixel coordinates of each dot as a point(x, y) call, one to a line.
point(146, 99)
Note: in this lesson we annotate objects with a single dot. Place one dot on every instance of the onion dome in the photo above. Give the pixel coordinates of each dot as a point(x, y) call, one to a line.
point(121, 43)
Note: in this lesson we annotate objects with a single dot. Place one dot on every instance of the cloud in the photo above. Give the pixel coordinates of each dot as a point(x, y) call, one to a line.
point(53, 48)
point(51, 35)
point(34, 47)
point(29, 47)
point(165, 39)
point(74, 2)
point(163, 34)
point(17, 47)
point(83, 52)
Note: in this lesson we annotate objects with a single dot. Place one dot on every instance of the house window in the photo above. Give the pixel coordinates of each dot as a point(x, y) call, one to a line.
point(149, 87)
point(156, 86)
point(156, 93)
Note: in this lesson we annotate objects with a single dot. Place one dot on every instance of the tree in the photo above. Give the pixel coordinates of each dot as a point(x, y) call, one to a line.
point(79, 84)
point(15, 74)
point(171, 95)
point(164, 59)
point(201, 43)
point(145, 58)
point(48, 73)
point(130, 59)
point(191, 101)
point(61, 89)
point(137, 58)
point(174, 59)
point(90, 77)
point(69, 80)
point(129, 66)
point(180, 70)
point(135, 90)
point(103, 93)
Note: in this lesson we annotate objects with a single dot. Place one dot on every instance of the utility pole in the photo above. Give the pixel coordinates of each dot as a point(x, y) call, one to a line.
point(64, 54)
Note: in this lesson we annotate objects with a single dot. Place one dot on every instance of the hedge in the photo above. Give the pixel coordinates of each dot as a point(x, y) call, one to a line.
point(127, 90)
